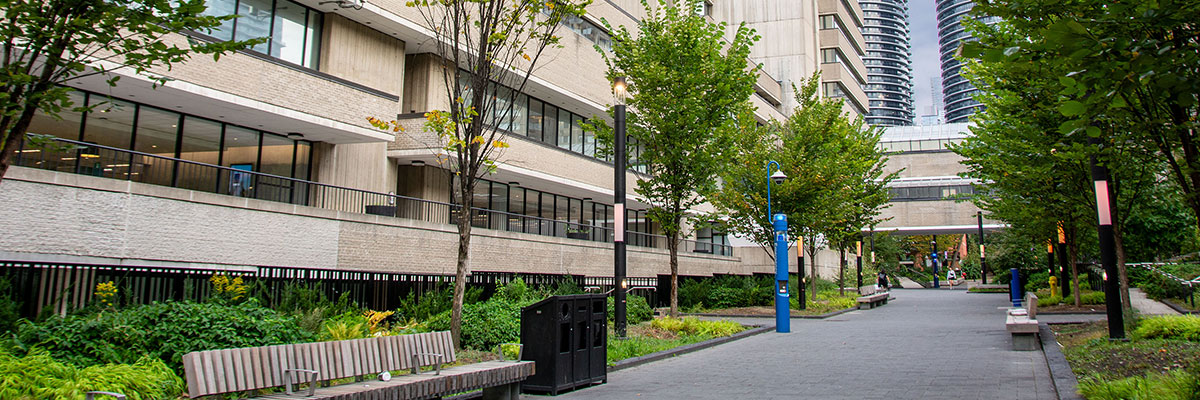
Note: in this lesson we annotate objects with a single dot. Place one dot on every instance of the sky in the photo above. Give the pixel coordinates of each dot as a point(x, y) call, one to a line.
point(922, 22)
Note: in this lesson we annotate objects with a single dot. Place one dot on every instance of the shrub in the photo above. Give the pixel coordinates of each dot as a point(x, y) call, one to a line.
point(1091, 298)
point(637, 310)
point(165, 331)
point(434, 302)
point(1184, 327)
point(10, 307)
point(695, 326)
point(38, 376)
point(726, 292)
point(1049, 300)
point(485, 324)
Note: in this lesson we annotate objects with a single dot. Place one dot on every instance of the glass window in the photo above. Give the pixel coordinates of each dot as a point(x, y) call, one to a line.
point(516, 205)
point(589, 144)
point(277, 155)
point(201, 143)
point(312, 33)
point(499, 202)
point(519, 114)
point(535, 119)
point(564, 129)
point(240, 153)
point(67, 126)
point(479, 204)
point(220, 8)
point(576, 134)
point(303, 158)
point(109, 124)
point(547, 207)
point(290, 31)
point(551, 126)
point(254, 22)
point(157, 132)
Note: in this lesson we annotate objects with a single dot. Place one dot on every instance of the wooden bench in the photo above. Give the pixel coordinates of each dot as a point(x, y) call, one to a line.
point(871, 299)
point(253, 368)
point(1023, 325)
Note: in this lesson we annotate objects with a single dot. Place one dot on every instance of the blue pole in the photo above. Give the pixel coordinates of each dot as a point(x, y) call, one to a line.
point(936, 282)
point(783, 320)
point(1014, 287)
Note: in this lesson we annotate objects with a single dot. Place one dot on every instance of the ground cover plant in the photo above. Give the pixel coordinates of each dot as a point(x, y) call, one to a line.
point(1157, 363)
point(666, 333)
point(38, 376)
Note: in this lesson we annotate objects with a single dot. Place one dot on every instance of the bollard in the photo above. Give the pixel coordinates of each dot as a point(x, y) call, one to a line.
point(1053, 285)
point(783, 316)
point(1014, 287)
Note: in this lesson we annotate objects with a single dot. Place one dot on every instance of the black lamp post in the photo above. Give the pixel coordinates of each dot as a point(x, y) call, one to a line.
point(619, 286)
point(982, 253)
point(1108, 254)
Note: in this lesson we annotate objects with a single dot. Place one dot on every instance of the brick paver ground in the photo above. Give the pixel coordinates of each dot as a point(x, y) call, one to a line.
point(927, 344)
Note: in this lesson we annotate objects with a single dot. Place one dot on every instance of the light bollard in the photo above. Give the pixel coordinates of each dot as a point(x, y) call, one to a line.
point(783, 320)
point(1014, 287)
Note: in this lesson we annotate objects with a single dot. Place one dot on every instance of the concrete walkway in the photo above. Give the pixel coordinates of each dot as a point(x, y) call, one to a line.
point(926, 344)
point(1147, 306)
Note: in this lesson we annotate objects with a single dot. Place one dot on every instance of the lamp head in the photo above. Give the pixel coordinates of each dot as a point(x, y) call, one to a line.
point(778, 177)
point(620, 89)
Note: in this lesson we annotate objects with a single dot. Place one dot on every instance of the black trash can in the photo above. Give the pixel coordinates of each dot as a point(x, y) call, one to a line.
point(567, 339)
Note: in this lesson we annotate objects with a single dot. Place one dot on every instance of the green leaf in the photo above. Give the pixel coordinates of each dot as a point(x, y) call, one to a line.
point(1072, 108)
point(1093, 131)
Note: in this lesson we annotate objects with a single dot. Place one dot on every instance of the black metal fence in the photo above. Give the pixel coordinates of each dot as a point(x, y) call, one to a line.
point(84, 158)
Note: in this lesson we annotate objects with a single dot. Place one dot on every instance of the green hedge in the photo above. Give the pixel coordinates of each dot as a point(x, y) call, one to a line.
point(38, 376)
point(485, 324)
point(726, 292)
point(637, 310)
point(165, 331)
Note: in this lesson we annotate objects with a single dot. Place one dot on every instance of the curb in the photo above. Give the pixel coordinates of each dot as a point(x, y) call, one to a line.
point(1066, 385)
point(821, 316)
point(1178, 308)
point(636, 361)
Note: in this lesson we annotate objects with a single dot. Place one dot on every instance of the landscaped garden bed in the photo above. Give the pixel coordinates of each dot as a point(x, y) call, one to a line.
point(137, 349)
point(1160, 361)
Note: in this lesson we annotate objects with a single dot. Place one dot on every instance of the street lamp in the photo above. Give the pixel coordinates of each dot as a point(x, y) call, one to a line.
point(779, 221)
point(982, 254)
point(1108, 255)
point(619, 285)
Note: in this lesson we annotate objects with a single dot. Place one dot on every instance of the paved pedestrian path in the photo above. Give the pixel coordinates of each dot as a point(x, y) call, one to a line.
point(925, 344)
point(1147, 306)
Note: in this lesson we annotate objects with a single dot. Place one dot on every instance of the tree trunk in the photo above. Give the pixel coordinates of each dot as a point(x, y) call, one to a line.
point(460, 275)
point(1071, 254)
point(1121, 272)
point(673, 247)
point(841, 270)
point(812, 262)
point(14, 138)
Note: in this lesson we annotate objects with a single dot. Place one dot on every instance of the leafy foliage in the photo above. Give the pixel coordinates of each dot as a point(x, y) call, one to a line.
point(38, 376)
point(485, 324)
point(486, 47)
point(637, 309)
point(164, 331)
point(10, 308)
point(726, 292)
point(685, 83)
point(696, 326)
point(1173, 385)
point(1183, 327)
point(433, 302)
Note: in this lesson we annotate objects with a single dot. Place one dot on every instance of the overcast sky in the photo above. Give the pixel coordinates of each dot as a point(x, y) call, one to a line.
point(923, 25)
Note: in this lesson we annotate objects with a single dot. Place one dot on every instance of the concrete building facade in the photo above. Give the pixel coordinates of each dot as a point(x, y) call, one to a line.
point(266, 159)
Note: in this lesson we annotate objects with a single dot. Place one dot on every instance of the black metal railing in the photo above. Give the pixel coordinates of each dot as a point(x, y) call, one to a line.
point(84, 158)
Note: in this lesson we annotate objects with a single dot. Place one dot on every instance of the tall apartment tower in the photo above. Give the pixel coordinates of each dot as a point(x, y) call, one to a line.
point(958, 92)
point(889, 62)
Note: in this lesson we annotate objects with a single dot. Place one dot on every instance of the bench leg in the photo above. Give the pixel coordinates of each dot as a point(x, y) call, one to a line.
point(510, 391)
point(1025, 341)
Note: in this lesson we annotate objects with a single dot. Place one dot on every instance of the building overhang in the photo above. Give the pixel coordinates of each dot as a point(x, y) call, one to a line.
point(193, 99)
point(937, 230)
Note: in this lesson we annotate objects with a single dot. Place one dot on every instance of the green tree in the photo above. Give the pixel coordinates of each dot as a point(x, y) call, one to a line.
point(1034, 175)
point(686, 85)
point(47, 43)
point(835, 187)
point(487, 49)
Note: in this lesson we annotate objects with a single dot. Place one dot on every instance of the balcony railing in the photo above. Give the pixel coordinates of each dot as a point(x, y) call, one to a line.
point(110, 162)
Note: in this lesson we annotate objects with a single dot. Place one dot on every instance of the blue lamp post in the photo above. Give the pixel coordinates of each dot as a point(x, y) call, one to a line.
point(783, 321)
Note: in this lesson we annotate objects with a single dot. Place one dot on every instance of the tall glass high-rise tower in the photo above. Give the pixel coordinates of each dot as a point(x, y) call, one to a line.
point(957, 91)
point(889, 62)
